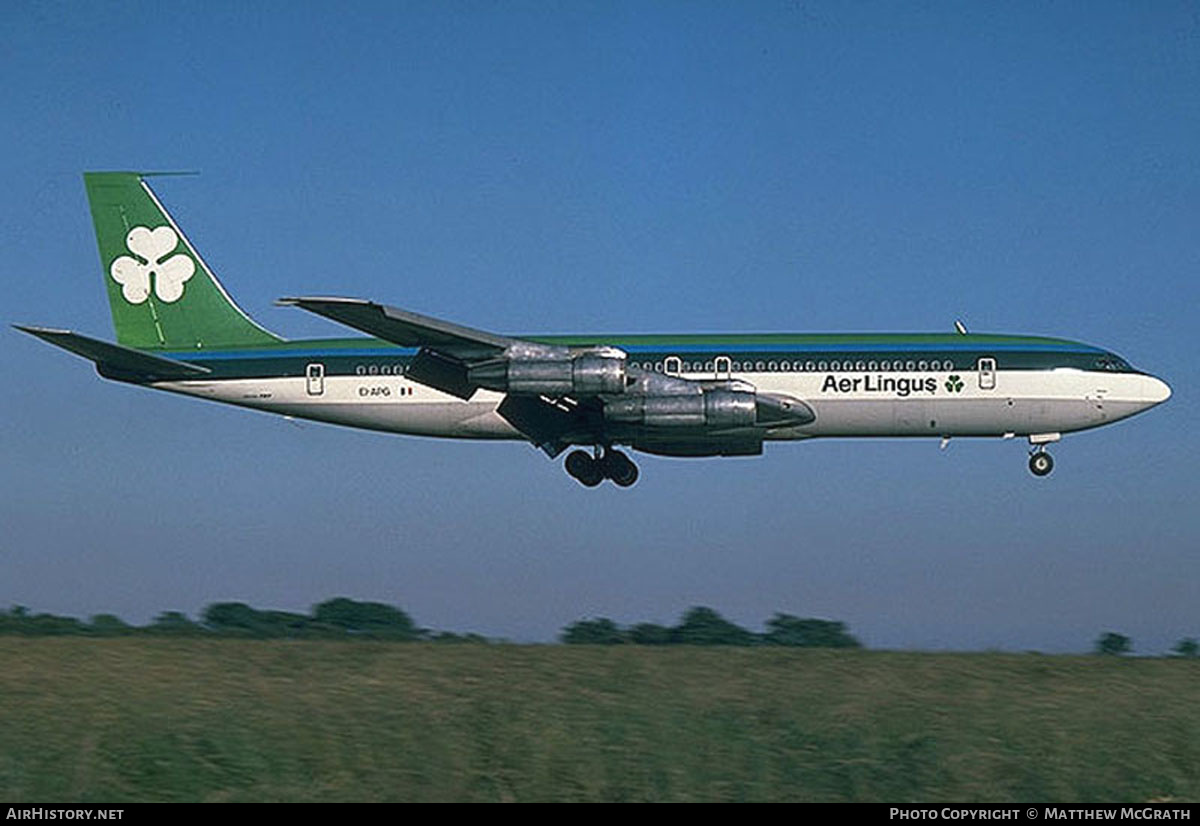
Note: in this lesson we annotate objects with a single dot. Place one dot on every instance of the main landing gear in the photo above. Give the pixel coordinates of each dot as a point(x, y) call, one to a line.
point(1040, 462)
point(606, 464)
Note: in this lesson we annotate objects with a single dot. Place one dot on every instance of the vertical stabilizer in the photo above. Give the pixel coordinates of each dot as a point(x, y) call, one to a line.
point(162, 294)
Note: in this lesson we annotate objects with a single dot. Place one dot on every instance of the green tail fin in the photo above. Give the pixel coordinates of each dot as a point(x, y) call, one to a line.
point(162, 294)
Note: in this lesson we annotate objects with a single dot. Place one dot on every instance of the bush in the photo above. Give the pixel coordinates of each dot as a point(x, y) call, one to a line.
point(704, 626)
point(365, 618)
point(648, 633)
point(784, 629)
point(1188, 647)
point(110, 625)
point(601, 631)
point(1113, 644)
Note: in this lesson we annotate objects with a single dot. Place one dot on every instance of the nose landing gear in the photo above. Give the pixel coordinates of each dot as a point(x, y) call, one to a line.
point(611, 464)
point(1040, 462)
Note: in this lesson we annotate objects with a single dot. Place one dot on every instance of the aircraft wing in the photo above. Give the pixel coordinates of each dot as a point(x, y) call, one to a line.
point(557, 396)
point(403, 327)
point(448, 351)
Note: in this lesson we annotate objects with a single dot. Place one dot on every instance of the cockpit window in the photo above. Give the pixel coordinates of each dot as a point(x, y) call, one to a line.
point(1113, 364)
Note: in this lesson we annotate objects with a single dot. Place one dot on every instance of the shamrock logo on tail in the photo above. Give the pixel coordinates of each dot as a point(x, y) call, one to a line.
point(954, 384)
point(153, 248)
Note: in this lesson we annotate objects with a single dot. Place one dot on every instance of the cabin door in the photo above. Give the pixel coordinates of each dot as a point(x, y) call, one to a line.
point(987, 374)
point(723, 368)
point(314, 376)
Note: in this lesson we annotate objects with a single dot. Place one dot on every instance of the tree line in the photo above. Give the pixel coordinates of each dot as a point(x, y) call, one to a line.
point(344, 618)
point(333, 619)
point(704, 626)
point(1110, 643)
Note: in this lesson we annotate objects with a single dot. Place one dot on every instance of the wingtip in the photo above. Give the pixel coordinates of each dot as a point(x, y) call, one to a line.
point(300, 301)
point(34, 330)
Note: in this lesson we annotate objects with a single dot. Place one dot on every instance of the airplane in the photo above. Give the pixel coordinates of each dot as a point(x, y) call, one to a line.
point(178, 330)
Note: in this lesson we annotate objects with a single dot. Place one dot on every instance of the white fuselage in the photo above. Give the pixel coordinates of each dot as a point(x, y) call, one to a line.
point(846, 403)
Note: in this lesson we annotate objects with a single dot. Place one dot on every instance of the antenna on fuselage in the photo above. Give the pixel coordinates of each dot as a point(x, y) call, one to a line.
point(958, 325)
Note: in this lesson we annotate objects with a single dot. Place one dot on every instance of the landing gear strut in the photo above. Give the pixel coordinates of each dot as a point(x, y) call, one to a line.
point(1040, 462)
point(606, 464)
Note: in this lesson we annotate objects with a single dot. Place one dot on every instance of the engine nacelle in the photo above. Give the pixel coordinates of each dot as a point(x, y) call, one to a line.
point(585, 375)
point(711, 409)
point(714, 409)
point(595, 375)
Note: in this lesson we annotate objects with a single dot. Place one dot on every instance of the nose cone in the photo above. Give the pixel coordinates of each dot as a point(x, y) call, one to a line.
point(1156, 391)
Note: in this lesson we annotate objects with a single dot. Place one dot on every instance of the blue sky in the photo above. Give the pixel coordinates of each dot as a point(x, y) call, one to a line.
point(615, 167)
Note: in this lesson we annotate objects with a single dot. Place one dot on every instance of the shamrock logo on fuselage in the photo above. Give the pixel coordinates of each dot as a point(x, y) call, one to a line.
point(153, 248)
point(954, 384)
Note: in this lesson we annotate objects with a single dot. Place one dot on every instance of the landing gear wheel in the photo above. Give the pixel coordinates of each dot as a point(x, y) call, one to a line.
point(584, 468)
point(618, 467)
point(1041, 463)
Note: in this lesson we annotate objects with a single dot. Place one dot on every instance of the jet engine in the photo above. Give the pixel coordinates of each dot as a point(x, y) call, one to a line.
point(589, 374)
point(715, 409)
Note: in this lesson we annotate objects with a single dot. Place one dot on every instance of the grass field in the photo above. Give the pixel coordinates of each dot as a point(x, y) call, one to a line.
point(97, 720)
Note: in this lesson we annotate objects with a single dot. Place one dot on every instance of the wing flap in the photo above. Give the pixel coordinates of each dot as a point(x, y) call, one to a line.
point(441, 372)
point(547, 425)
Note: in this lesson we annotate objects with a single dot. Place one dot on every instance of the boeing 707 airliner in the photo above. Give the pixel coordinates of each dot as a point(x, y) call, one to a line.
point(672, 395)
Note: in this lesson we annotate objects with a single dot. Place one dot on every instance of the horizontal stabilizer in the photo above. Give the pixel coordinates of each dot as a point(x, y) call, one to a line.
point(404, 328)
point(116, 360)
